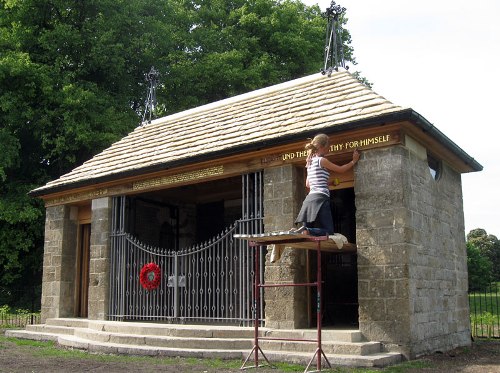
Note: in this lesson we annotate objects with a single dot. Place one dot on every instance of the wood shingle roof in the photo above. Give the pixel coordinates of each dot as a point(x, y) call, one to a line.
point(312, 103)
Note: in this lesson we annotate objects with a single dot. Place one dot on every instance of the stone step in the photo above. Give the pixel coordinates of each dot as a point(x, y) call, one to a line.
point(165, 341)
point(203, 331)
point(52, 329)
point(174, 330)
point(35, 336)
point(347, 335)
point(68, 322)
point(329, 347)
point(342, 347)
point(303, 358)
point(118, 348)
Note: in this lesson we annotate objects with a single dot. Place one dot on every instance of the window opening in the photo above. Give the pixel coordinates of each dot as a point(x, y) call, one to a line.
point(434, 166)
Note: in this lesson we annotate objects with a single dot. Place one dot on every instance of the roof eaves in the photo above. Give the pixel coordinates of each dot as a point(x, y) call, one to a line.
point(401, 115)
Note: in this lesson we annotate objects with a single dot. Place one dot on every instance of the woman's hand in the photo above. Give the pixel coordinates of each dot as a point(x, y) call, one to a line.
point(355, 156)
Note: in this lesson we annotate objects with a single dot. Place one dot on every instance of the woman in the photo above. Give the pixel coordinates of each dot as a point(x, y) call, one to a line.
point(315, 214)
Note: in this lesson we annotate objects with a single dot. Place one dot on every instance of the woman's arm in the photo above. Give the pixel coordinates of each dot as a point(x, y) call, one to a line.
point(325, 163)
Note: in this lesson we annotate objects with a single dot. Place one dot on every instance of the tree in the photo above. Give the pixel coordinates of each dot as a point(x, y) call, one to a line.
point(480, 268)
point(489, 247)
point(72, 82)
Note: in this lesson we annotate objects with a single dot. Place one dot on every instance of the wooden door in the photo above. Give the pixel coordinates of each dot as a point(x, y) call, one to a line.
point(82, 272)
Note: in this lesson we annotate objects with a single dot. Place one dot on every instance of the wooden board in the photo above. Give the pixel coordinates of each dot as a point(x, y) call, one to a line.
point(297, 241)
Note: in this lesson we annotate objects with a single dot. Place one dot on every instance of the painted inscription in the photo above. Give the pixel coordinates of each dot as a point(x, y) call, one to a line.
point(342, 146)
point(178, 178)
point(77, 197)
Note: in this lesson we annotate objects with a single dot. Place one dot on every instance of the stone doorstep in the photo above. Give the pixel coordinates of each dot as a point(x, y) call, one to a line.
point(348, 335)
point(174, 330)
point(356, 348)
point(164, 341)
point(68, 322)
point(205, 331)
point(336, 347)
point(35, 336)
point(53, 329)
point(374, 360)
point(329, 347)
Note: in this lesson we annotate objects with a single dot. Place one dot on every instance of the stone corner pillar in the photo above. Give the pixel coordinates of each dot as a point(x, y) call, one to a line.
point(58, 283)
point(412, 265)
point(100, 251)
point(286, 307)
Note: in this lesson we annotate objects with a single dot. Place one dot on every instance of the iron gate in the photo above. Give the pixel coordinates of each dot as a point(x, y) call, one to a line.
point(211, 282)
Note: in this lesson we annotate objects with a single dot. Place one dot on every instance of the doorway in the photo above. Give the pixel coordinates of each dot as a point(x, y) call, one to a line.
point(82, 271)
point(339, 270)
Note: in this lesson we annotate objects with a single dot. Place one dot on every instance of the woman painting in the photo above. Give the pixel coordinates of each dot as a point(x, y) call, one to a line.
point(315, 214)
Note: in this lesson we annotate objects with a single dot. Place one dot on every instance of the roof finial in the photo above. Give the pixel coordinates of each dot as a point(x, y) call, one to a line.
point(334, 48)
point(152, 78)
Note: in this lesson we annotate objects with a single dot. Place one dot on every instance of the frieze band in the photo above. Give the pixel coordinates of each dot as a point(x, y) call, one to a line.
point(178, 178)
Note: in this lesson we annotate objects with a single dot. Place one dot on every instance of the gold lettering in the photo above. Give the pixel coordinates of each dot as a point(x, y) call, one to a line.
point(174, 179)
point(301, 154)
point(336, 147)
point(77, 197)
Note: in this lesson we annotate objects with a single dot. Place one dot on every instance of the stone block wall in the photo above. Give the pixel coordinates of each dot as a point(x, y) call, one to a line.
point(286, 307)
point(59, 258)
point(100, 254)
point(412, 266)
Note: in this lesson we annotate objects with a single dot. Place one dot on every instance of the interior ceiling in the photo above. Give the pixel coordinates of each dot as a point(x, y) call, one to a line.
point(216, 190)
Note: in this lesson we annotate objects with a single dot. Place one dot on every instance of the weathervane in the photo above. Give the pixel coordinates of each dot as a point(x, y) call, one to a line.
point(334, 48)
point(152, 78)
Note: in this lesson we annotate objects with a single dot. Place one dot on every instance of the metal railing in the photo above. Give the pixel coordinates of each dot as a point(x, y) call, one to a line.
point(20, 306)
point(209, 282)
point(485, 312)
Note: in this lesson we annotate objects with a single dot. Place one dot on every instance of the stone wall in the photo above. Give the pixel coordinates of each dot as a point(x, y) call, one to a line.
point(412, 268)
point(58, 282)
point(100, 253)
point(286, 307)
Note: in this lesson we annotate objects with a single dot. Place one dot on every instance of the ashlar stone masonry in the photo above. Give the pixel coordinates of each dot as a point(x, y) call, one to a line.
point(412, 264)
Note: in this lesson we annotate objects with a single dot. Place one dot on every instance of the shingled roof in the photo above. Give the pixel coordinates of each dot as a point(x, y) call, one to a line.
point(304, 105)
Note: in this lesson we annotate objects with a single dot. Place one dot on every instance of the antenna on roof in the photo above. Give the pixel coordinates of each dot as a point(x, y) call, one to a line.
point(334, 48)
point(152, 78)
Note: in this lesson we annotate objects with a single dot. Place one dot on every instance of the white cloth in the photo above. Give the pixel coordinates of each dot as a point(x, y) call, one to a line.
point(276, 251)
point(339, 239)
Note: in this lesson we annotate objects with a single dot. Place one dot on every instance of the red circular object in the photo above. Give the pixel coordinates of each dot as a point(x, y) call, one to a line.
point(150, 276)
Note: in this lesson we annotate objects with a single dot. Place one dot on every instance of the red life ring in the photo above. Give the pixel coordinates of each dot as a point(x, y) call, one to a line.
point(150, 276)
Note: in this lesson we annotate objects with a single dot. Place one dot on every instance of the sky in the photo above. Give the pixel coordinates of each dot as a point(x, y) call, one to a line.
point(442, 59)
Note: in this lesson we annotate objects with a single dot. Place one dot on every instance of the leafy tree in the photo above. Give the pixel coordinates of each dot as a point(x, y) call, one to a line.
point(72, 82)
point(489, 247)
point(480, 268)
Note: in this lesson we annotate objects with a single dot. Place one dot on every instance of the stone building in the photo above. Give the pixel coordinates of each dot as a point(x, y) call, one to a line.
point(174, 191)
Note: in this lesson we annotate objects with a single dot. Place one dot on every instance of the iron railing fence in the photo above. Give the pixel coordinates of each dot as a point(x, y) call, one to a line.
point(485, 312)
point(20, 306)
point(204, 283)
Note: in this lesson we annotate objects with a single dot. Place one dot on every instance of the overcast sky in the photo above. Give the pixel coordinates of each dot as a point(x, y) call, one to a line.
point(442, 59)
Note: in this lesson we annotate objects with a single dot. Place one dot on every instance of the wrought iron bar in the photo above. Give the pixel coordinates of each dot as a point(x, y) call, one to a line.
point(211, 282)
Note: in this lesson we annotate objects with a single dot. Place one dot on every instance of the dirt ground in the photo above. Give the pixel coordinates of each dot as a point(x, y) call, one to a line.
point(482, 357)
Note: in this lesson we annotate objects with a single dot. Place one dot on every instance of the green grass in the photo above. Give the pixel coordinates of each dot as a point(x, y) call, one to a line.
point(47, 349)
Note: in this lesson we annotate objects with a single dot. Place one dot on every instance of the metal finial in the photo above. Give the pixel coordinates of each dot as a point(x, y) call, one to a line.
point(334, 10)
point(151, 77)
point(334, 48)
